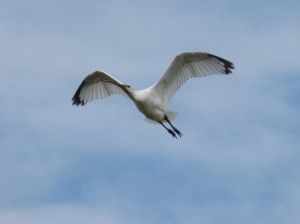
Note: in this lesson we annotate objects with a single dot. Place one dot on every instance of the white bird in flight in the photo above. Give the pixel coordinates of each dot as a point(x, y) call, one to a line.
point(153, 100)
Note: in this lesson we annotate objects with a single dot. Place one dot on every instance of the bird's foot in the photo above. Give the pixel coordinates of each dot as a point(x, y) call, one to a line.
point(172, 133)
point(178, 132)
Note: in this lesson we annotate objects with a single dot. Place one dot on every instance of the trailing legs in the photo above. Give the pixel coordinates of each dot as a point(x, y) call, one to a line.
point(169, 130)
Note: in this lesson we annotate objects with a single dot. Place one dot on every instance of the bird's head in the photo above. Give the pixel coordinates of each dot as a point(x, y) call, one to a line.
point(127, 88)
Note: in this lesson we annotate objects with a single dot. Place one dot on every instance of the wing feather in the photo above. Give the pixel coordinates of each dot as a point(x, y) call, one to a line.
point(189, 65)
point(97, 85)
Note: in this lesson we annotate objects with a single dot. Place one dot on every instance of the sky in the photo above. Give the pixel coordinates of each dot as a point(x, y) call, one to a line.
point(239, 158)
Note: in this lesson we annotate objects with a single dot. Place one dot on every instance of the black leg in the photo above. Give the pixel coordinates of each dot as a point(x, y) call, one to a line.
point(169, 130)
point(175, 129)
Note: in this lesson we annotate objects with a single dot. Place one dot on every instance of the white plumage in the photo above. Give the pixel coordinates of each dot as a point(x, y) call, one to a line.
point(152, 101)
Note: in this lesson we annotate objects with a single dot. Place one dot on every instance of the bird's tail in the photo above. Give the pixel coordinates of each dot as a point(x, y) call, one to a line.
point(170, 114)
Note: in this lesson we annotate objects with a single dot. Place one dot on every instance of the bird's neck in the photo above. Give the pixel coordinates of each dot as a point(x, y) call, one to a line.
point(132, 95)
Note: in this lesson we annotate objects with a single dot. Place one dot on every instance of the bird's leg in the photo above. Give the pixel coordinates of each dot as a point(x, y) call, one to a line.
point(175, 129)
point(169, 130)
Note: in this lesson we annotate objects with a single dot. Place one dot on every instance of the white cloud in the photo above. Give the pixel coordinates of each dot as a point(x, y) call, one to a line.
point(237, 161)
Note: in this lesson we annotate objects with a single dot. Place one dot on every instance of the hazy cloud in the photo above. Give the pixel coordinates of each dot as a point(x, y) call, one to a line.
point(238, 160)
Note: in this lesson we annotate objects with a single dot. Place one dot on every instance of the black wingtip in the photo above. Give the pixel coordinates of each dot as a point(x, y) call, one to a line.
point(76, 98)
point(228, 66)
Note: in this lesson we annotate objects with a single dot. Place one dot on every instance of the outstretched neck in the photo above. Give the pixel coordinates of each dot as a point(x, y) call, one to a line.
point(132, 94)
point(129, 91)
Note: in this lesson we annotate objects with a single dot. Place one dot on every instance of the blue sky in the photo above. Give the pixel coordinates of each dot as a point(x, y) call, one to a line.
point(238, 161)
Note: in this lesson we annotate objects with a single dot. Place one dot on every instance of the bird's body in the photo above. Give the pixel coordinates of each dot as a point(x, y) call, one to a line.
point(152, 101)
point(149, 103)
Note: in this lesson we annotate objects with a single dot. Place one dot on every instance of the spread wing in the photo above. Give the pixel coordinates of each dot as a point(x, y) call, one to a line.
point(188, 65)
point(97, 86)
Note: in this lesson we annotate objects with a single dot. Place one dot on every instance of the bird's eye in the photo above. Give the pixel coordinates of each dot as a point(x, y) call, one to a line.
point(128, 86)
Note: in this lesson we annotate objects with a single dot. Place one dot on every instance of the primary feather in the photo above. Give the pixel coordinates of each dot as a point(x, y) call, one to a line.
point(188, 65)
point(97, 86)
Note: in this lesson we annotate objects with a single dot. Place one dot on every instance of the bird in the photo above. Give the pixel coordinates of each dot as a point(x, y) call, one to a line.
point(153, 100)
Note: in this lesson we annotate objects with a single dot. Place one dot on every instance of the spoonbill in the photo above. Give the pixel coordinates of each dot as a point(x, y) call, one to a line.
point(152, 101)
